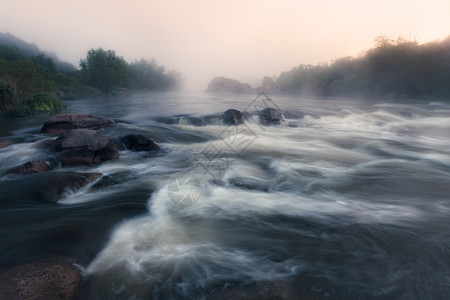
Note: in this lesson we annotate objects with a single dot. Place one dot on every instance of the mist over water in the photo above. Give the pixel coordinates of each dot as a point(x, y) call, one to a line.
point(347, 199)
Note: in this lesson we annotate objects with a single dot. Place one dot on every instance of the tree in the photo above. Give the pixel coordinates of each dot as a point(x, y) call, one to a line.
point(103, 69)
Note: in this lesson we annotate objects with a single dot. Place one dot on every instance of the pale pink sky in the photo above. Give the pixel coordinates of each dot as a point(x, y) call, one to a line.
point(242, 39)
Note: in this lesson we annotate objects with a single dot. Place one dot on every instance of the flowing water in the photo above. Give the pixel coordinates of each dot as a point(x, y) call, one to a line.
point(346, 199)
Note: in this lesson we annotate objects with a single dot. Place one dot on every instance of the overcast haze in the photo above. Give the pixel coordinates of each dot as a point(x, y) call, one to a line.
point(240, 39)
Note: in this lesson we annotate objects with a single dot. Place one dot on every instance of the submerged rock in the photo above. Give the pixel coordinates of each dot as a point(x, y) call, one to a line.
point(138, 142)
point(233, 117)
point(271, 116)
point(279, 289)
point(226, 85)
point(56, 278)
point(63, 122)
point(5, 143)
point(249, 184)
point(55, 184)
point(35, 166)
point(84, 147)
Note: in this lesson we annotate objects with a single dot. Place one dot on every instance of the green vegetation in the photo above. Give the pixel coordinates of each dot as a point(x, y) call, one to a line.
point(103, 70)
point(33, 83)
point(393, 69)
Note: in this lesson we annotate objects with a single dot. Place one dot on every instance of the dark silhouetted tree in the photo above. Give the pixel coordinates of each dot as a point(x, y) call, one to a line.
point(103, 69)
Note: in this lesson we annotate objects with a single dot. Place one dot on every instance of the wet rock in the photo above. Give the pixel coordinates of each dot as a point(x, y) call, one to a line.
point(233, 117)
point(248, 184)
point(84, 147)
point(56, 278)
point(63, 122)
point(138, 142)
point(55, 185)
point(269, 86)
point(45, 144)
point(271, 116)
point(226, 85)
point(35, 166)
point(217, 182)
point(5, 143)
point(280, 289)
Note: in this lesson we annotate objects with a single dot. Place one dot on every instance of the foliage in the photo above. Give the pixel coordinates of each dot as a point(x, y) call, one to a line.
point(43, 103)
point(392, 68)
point(147, 75)
point(103, 69)
point(7, 96)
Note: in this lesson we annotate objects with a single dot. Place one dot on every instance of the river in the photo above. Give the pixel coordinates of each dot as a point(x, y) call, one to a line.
point(346, 199)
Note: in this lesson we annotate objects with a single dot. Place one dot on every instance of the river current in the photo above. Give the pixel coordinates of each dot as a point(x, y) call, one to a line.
point(346, 199)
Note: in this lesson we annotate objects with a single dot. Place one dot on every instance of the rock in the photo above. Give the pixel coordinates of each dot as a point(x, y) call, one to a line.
point(84, 147)
point(226, 85)
point(35, 166)
point(56, 278)
point(5, 143)
point(270, 116)
point(217, 182)
point(233, 117)
point(279, 289)
point(249, 184)
point(45, 144)
point(269, 86)
point(55, 184)
point(63, 122)
point(138, 142)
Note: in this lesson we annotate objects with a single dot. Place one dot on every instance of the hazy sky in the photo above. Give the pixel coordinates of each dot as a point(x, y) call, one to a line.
point(242, 39)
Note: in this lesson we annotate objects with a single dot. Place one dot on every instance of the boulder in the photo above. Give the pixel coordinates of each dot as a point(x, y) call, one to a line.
point(280, 289)
point(34, 166)
point(56, 184)
point(269, 86)
point(63, 122)
point(138, 142)
point(84, 147)
point(56, 278)
point(227, 85)
point(233, 117)
point(5, 143)
point(271, 116)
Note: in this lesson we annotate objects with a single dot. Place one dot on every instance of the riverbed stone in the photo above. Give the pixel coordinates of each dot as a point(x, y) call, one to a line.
point(227, 85)
point(138, 142)
point(34, 166)
point(84, 147)
point(55, 185)
point(233, 117)
point(271, 116)
point(5, 143)
point(60, 123)
point(54, 278)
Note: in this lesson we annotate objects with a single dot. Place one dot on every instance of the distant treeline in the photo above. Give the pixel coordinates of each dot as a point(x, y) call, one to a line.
point(392, 68)
point(33, 83)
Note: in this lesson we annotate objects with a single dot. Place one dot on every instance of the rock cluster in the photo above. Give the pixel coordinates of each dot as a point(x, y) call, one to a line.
point(56, 278)
point(227, 85)
point(60, 123)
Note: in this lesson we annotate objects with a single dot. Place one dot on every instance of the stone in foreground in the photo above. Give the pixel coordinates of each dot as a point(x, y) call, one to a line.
point(84, 147)
point(63, 122)
point(56, 278)
point(57, 184)
point(34, 166)
point(138, 142)
point(233, 117)
point(271, 116)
